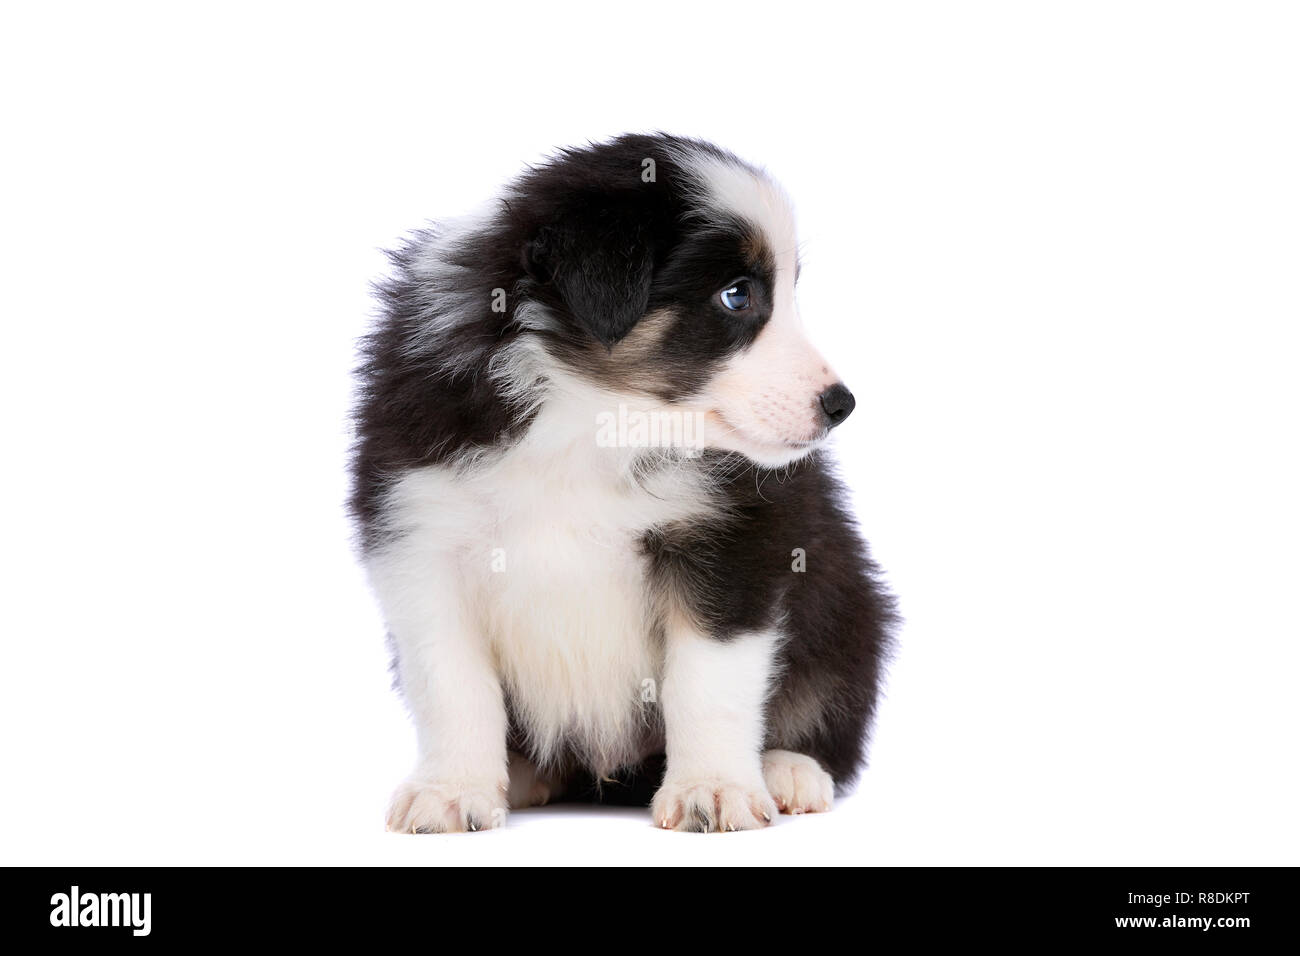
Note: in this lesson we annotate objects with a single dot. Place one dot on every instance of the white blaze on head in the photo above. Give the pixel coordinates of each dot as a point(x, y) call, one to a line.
point(764, 403)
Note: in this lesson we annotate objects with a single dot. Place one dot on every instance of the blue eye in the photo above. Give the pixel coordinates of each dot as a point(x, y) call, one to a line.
point(736, 297)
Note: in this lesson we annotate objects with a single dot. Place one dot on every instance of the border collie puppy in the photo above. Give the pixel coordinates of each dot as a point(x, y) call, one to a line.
point(592, 502)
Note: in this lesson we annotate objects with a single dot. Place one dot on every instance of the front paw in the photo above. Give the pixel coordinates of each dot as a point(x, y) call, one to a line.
point(442, 806)
point(797, 782)
point(528, 787)
point(705, 806)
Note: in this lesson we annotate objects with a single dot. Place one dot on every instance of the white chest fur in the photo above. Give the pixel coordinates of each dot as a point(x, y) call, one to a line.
point(546, 540)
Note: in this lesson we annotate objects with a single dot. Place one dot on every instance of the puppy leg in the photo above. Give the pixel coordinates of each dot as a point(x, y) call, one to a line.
point(446, 674)
point(713, 694)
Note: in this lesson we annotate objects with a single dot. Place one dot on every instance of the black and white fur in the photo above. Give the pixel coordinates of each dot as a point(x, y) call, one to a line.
point(573, 617)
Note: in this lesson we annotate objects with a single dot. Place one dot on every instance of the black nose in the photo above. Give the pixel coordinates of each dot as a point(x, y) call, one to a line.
point(837, 402)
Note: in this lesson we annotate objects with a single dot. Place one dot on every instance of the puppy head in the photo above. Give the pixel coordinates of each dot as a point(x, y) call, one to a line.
point(671, 266)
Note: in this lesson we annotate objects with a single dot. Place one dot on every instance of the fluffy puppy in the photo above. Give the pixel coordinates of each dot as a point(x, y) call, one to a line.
point(593, 502)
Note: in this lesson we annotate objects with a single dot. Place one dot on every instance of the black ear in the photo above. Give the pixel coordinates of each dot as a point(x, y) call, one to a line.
point(599, 261)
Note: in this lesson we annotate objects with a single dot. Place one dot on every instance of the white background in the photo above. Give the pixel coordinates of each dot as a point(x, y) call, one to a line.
point(1052, 247)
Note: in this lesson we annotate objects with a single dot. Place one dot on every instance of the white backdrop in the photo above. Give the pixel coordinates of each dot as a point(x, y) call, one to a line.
point(1053, 249)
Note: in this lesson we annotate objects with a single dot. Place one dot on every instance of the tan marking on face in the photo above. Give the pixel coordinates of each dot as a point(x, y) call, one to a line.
point(629, 365)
